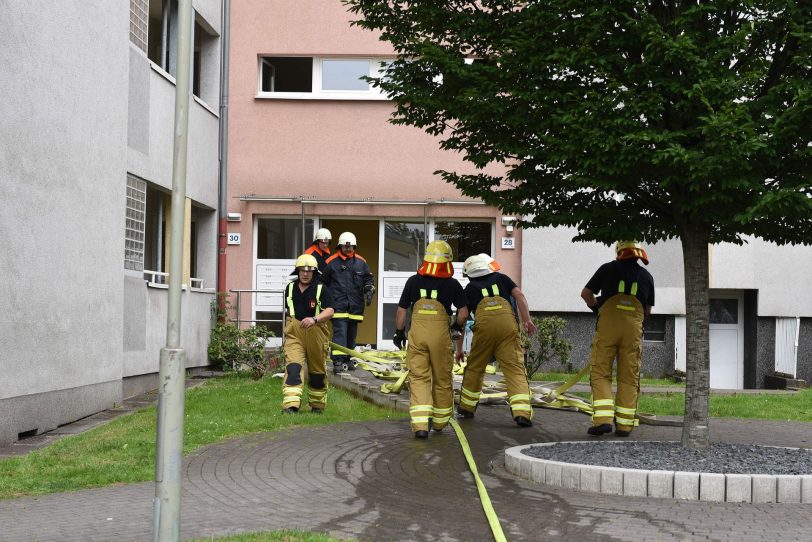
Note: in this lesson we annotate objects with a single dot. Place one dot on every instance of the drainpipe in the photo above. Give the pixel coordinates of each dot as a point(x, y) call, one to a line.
point(171, 381)
point(222, 206)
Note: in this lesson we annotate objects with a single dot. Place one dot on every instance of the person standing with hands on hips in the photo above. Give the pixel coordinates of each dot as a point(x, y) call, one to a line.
point(430, 294)
point(307, 334)
point(626, 296)
point(351, 286)
point(496, 334)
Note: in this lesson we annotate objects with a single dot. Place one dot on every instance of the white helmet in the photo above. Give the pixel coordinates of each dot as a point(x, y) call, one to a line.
point(323, 234)
point(477, 266)
point(347, 238)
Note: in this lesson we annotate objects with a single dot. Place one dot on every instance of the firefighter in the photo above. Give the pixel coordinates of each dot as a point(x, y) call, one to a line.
point(626, 296)
point(430, 294)
point(307, 334)
point(320, 249)
point(496, 334)
point(351, 286)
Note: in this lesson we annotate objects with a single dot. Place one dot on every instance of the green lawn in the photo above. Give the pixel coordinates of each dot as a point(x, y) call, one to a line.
point(123, 451)
point(789, 407)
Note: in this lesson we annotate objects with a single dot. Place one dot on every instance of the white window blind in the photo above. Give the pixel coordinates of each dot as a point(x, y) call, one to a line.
point(786, 345)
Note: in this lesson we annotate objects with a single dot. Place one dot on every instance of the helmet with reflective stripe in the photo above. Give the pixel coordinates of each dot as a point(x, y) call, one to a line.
point(626, 250)
point(493, 264)
point(477, 265)
point(347, 238)
point(306, 262)
point(323, 234)
point(438, 252)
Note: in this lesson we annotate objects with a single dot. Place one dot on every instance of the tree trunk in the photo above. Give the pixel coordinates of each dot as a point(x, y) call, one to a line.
point(695, 433)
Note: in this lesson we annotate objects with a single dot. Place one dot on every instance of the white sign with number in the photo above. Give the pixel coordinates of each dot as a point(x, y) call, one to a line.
point(233, 238)
point(508, 243)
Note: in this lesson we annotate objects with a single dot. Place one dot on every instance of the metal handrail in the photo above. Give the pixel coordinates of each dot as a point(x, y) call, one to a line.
point(239, 319)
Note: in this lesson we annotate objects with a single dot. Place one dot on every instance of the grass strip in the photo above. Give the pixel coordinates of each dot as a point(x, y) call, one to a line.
point(273, 536)
point(123, 451)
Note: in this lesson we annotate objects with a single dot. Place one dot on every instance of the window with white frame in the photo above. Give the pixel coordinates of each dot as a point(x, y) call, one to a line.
point(134, 225)
point(319, 77)
point(465, 237)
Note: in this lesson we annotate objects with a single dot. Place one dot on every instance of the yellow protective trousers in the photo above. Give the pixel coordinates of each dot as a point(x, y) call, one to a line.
point(496, 333)
point(430, 361)
point(305, 349)
point(619, 335)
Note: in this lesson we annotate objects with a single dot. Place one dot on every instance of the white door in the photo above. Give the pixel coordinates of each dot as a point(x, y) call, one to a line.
point(726, 328)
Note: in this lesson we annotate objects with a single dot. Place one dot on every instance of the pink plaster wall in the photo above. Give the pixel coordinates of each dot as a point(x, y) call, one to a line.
point(324, 149)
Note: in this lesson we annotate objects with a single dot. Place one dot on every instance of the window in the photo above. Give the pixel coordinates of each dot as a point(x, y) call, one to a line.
point(723, 311)
point(134, 227)
point(465, 238)
point(319, 78)
point(403, 245)
point(654, 330)
point(139, 23)
point(281, 238)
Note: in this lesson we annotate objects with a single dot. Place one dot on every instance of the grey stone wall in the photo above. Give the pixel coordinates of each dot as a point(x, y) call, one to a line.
point(804, 368)
point(765, 363)
point(658, 357)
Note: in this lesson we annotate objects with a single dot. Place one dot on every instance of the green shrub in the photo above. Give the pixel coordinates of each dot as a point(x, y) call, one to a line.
point(235, 349)
point(546, 344)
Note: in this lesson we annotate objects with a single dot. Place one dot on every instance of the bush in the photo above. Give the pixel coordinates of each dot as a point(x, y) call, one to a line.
point(234, 349)
point(546, 344)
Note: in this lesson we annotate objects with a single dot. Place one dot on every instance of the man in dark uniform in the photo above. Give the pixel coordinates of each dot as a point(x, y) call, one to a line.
point(430, 293)
point(307, 334)
point(626, 296)
point(496, 334)
point(351, 286)
point(320, 249)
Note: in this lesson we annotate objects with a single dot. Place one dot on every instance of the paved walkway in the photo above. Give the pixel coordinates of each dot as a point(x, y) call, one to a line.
point(374, 481)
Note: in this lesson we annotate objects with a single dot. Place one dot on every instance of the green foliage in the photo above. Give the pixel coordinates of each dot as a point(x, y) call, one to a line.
point(235, 349)
point(629, 119)
point(546, 345)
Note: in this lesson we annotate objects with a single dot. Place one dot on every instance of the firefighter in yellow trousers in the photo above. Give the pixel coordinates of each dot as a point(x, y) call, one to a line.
point(431, 293)
point(307, 335)
point(496, 334)
point(627, 295)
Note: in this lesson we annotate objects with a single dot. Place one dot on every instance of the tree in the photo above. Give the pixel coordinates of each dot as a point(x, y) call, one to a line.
point(627, 119)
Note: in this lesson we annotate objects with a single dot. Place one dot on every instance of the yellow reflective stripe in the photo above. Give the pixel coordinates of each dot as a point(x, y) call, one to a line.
point(520, 397)
point(356, 316)
point(341, 315)
point(631, 423)
point(434, 294)
point(441, 419)
point(420, 419)
point(470, 393)
point(624, 410)
point(495, 289)
point(448, 410)
point(524, 407)
point(603, 414)
point(423, 293)
point(318, 298)
point(468, 402)
point(621, 287)
point(291, 390)
point(485, 292)
point(424, 311)
point(496, 308)
point(625, 307)
point(289, 300)
point(634, 289)
point(420, 407)
point(602, 402)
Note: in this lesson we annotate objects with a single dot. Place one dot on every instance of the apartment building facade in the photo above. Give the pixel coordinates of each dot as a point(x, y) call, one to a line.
point(310, 146)
point(85, 176)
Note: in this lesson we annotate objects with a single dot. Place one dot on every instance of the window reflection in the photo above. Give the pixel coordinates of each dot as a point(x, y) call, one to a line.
point(281, 238)
point(403, 246)
point(724, 311)
point(465, 238)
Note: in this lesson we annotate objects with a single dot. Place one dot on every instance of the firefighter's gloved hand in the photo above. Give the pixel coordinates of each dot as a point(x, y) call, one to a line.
point(369, 291)
point(456, 331)
point(400, 339)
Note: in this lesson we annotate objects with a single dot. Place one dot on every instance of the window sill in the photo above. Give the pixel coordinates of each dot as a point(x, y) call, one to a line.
point(326, 96)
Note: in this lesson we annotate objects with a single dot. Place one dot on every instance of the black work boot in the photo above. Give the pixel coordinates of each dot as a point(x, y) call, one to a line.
point(622, 432)
point(598, 430)
point(291, 410)
point(316, 410)
point(462, 413)
point(523, 421)
point(421, 434)
point(338, 367)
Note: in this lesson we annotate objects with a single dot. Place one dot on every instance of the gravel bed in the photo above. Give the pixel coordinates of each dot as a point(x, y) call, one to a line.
point(671, 456)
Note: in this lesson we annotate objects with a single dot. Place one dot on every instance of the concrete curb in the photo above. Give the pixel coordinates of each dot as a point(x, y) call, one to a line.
point(694, 486)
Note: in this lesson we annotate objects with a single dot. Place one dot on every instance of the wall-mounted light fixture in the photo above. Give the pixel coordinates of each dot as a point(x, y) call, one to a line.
point(508, 222)
point(233, 217)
